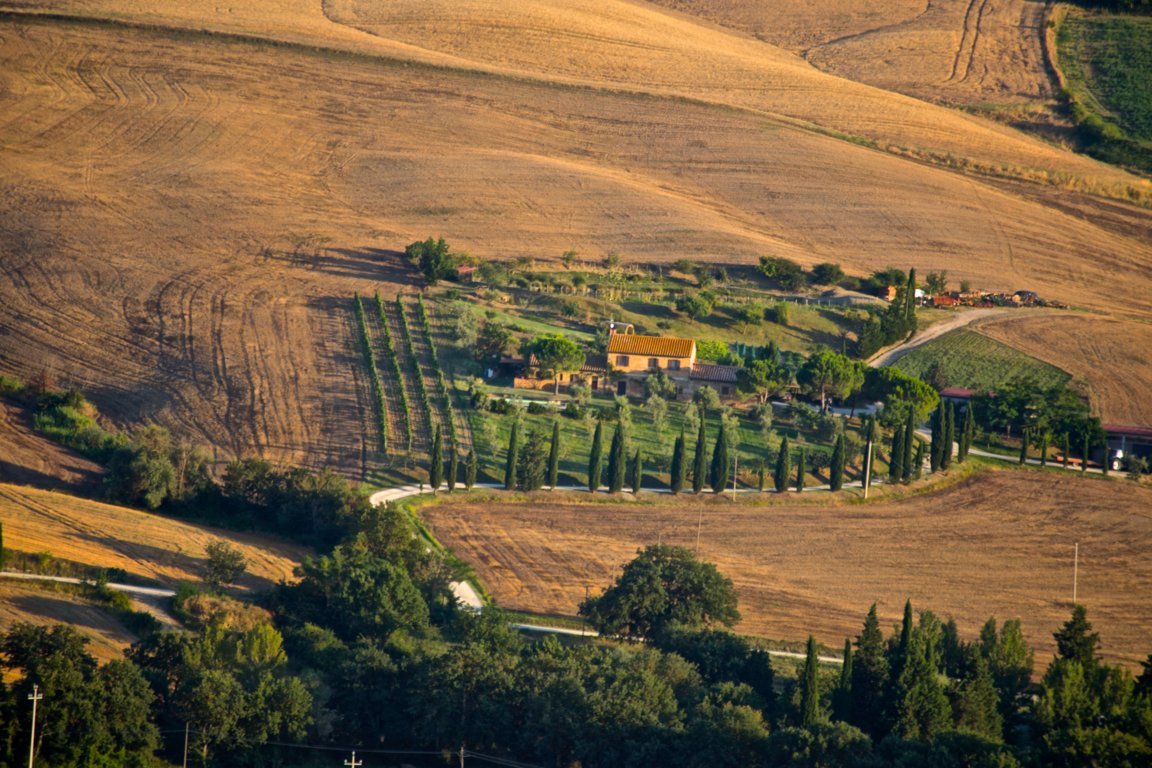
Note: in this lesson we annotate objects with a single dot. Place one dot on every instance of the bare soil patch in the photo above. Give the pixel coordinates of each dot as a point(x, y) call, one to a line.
point(141, 544)
point(999, 544)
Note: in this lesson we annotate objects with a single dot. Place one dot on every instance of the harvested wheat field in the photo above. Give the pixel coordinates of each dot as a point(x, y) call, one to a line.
point(1107, 357)
point(997, 544)
point(960, 51)
point(31, 459)
point(158, 181)
point(107, 638)
point(141, 544)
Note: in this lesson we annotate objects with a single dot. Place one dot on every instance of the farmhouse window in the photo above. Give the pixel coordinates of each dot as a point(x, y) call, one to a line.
point(653, 362)
point(673, 365)
point(725, 390)
point(622, 360)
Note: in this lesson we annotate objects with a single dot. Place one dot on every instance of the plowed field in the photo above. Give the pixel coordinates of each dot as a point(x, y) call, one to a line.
point(999, 544)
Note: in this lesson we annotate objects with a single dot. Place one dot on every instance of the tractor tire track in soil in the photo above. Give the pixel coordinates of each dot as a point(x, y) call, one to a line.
point(969, 39)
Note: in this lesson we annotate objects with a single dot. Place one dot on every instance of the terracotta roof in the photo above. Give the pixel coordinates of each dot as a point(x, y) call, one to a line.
point(592, 363)
point(957, 392)
point(595, 364)
point(1126, 430)
point(656, 346)
point(706, 372)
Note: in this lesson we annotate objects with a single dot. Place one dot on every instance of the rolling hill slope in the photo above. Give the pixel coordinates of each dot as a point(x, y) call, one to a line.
point(147, 173)
point(141, 544)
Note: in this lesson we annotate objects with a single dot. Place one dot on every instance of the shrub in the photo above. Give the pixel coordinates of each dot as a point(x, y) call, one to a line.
point(784, 272)
point(536, 409)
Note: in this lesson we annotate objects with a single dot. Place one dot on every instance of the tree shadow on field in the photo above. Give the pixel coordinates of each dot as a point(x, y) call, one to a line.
point(19, 474)
point(58, 610)
point(175, 559)
point(380, 264)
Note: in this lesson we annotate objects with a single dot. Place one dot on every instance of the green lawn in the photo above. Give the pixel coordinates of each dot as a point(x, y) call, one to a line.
point(971, 360)
point(491, 433)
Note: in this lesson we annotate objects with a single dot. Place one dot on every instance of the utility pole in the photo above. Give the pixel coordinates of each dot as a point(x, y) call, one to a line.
point(1075, 572)
point(185, 744)
point(354, 763)
point(35, 696)
point(868, 467)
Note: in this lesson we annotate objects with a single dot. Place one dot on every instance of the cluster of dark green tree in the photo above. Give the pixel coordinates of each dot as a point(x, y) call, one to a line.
point(369, 649)
point(1042, 416)
point(435, 260)
point(893, 324)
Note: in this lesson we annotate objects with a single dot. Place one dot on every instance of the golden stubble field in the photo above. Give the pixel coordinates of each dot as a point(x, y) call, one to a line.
point(958, 51)
point(31, 603)
point(999, 544)
point(141, 544)
point(146, 171)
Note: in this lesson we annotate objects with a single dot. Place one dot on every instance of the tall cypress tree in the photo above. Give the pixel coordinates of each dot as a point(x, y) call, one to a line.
point(937, 437)
point(909, 438)
point(869, 678)
point(900, 651)
point(700, 463)
point(910, 302)
point(869, 450)
point(896, 455)
point(1067, 448)
point(554, 457)
point(470, 470)
point(1024, 437)
point(842, 696)
point(809, 688)
point(918, 461)
point(921, 706)
point(966, 434)
point(595, 458)
point(783, 467)
point(718, 476)
point(436, 470)
point(1044, 448)
point(836, 470)
point(513, 455)
point(676, 482)
point(761, 477)
point(1085, 452)
point(617, 462)
point(637, 472)
point(801, 470)
point(453, 469)
point(949, 435)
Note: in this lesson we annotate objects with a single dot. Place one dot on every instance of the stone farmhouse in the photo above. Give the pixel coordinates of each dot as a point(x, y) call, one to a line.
point(631, 358)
